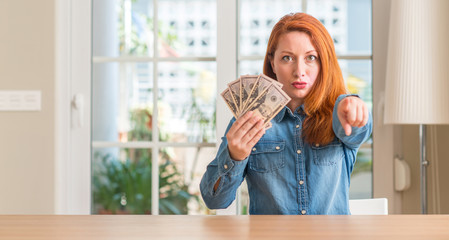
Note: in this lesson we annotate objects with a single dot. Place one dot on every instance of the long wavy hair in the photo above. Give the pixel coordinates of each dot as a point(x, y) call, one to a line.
point(319, 103)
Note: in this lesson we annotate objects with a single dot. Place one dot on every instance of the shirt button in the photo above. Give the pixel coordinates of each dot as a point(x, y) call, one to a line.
point(277, 147)
point(303, 212)
point(298, 152)
point(254, 149)
point(301, 182)
point(297, 126)
point(225, 166)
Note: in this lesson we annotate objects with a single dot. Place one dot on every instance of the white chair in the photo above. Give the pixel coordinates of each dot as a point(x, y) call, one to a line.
point(372, 206)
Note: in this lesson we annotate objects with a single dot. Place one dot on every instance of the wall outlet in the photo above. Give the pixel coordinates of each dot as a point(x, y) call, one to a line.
point(20, 100)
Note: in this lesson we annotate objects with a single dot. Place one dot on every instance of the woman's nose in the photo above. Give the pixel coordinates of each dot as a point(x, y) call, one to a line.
point(300, 69)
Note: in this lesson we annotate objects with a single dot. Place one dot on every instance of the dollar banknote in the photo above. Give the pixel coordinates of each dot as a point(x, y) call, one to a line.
point(226, 94)
point(268, 104)
point(258, 93)
point(260, 85)
point(236, 93)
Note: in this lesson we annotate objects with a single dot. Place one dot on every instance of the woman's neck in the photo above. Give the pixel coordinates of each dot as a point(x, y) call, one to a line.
point(293, 105)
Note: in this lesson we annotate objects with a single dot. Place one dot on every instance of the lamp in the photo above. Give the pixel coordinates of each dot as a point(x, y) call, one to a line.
point(417, 80)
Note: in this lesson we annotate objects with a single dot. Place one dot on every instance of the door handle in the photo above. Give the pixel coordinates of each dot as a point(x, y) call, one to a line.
point(78, 110)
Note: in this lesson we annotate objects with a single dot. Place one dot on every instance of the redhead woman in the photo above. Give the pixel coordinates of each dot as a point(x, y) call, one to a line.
point(303, 163)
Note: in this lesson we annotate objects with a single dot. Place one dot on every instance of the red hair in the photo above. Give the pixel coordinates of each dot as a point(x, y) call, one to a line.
point(319, 103)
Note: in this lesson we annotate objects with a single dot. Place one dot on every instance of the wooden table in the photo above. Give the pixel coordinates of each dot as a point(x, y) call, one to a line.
point(224, 227)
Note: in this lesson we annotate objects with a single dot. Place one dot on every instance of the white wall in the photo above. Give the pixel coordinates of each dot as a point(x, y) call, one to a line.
point(384, 143)
point(27, 138)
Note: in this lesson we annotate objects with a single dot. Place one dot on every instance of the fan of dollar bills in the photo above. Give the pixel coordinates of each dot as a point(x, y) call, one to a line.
point(258, 93)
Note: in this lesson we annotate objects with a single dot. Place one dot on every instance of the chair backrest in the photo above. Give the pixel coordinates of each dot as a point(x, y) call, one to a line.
point(372, 206)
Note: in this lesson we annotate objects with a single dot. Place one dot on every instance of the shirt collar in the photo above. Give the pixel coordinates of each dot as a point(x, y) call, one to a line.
point(286, 111)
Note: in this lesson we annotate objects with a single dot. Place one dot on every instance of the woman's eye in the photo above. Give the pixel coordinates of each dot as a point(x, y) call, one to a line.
point(287, 58)
point(311, 58)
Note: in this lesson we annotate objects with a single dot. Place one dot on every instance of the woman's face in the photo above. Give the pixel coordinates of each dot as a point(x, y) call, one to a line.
point(296, 66)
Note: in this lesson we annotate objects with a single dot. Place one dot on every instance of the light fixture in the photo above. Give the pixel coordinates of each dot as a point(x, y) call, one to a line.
point(417, 80)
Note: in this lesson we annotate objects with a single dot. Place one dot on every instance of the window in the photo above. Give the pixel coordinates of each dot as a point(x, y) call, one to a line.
point(153, 104)
point(154, 92)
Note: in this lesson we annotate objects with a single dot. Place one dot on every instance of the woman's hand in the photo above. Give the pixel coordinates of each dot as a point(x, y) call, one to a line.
point(243, 135)
point(352, 112)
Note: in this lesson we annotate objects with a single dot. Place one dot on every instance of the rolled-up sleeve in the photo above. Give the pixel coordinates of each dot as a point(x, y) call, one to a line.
point(231, 174)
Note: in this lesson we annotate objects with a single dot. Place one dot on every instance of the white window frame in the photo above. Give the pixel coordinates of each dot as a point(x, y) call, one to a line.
point(72, 136)
point(73, 76)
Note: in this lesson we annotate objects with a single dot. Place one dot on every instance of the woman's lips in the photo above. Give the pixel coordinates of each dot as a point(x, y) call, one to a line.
point(299, 85)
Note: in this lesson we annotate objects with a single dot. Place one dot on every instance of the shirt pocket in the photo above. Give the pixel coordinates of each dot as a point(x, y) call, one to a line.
point(267, 156)
point(329, 154)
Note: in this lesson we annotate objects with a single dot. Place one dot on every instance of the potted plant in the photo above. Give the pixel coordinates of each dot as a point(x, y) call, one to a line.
point(124, 186)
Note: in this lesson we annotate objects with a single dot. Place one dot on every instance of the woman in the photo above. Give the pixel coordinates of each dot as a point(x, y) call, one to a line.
point(303, 163)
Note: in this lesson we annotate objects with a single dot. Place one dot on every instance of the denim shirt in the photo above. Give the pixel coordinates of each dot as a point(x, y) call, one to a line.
point(285, 174)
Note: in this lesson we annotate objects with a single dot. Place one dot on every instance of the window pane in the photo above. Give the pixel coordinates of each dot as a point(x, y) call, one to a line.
point(348, 22)
point(122, 101)
point(257, 18)
point(106, 28)
point(121, 181)
point(187, 28)
point(243, 199)
point(180, 171)
point(251, 67)
point(362, 174)
point(136, 27)
point(123, 28)
point(187, 101)
point(358, 77)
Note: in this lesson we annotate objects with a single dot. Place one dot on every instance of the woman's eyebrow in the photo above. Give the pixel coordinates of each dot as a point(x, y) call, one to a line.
point(286, 51)
point(290, 52)
point(313, 50)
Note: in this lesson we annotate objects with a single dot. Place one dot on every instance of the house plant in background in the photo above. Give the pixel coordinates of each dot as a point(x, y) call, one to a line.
point(124, 185)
